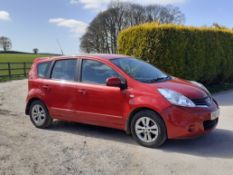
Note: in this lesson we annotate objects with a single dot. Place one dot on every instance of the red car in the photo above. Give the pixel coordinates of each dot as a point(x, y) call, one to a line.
point(119, 92)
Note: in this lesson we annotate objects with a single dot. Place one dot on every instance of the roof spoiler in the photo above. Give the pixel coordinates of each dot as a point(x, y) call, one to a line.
point(38, 59)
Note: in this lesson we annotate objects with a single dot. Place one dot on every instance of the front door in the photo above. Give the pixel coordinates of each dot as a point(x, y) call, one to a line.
point(100, 104)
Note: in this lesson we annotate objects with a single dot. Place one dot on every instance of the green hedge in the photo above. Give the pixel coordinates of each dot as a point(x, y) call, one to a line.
point(201, 54)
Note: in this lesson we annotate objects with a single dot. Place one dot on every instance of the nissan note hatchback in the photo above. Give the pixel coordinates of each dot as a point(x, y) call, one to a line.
point(119, 92)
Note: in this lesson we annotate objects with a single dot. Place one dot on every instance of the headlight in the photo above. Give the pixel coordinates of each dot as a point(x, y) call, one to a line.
point(201, 86)
point(176, 98)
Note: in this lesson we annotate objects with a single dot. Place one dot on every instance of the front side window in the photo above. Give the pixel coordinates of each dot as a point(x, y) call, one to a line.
point(95, 72)
point(140, 70)
point(64, 70)
point(42, 69)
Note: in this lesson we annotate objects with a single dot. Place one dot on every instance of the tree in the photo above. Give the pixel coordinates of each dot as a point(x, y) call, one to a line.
point(35, 51)
point(5, 43)
point(164, 14)
point(101, 35)
point(218, 26)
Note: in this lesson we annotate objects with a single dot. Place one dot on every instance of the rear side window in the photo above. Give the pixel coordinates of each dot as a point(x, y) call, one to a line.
point(42, 69)
point(95, 72)
point(64, 70)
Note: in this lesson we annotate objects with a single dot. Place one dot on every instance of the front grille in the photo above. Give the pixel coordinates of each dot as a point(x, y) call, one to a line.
point(210, 124)
point(202, 101)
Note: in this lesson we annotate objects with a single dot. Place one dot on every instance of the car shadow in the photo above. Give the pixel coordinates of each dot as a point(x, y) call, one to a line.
point(92, 131)
point(218, 143)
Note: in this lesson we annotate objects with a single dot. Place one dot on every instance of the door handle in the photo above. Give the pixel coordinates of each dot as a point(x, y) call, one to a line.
point(82, 91)
point(46, 87)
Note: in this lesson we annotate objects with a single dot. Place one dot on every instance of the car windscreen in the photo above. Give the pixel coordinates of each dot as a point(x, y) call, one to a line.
point(140, 70)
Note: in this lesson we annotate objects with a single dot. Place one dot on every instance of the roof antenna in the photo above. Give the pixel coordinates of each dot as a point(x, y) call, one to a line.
point(59, 45)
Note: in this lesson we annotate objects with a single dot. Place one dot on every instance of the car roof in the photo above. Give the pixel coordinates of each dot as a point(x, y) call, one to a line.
point(97, 56)
point(107, 56)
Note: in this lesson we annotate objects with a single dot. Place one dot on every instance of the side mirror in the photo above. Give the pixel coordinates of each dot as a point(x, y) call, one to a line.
point(115, 82)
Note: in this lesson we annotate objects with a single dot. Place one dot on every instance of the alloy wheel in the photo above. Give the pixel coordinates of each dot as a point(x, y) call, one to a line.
point(146, 129)
point(38, 114)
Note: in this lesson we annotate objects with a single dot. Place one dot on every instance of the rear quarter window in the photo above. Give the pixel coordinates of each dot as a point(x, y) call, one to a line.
point(42, 69)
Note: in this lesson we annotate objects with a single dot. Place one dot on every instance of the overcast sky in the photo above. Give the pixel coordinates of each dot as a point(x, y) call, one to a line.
point(39, 23)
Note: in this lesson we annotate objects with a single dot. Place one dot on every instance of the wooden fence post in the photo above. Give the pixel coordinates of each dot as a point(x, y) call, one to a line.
point(24, 69)
point(9, 69)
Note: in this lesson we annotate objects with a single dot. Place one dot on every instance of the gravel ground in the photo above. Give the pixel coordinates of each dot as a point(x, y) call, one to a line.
point(70, 148)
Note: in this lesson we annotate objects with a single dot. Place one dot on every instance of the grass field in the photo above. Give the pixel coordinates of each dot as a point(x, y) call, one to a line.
point(19, 57)
point(16, 58)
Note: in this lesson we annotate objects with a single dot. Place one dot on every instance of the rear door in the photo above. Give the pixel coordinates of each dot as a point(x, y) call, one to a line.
point(60, 89)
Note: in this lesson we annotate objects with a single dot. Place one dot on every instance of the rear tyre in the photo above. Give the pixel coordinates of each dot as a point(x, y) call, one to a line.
point(148, 129)
point(39, 115)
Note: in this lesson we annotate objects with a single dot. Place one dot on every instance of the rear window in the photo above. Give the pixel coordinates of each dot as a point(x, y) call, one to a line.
point(42, 69)
point(64, 70)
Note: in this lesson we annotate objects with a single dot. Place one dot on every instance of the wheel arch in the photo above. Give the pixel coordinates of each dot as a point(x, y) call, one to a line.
point(27, 110)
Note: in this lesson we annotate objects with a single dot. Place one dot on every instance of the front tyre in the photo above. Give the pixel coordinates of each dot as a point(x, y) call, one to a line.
point(39, 115)
point(148, 129)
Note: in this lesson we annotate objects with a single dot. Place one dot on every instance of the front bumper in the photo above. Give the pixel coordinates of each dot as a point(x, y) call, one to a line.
point(185, 122)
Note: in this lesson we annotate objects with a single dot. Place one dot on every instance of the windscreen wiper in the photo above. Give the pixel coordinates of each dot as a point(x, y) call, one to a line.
point(160, 79)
